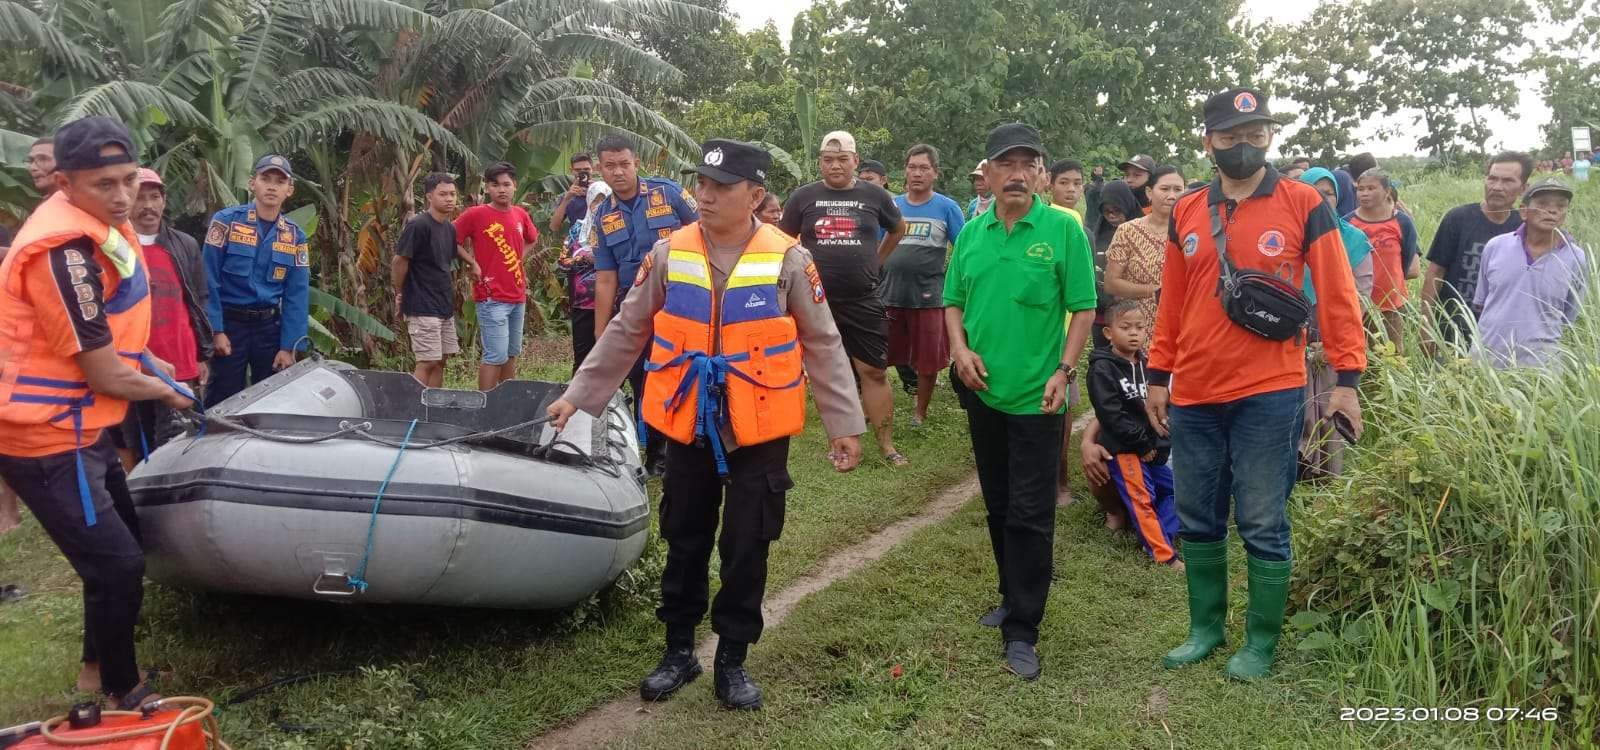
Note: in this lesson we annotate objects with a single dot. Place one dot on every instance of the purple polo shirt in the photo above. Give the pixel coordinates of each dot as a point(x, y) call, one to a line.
point(1525, 304)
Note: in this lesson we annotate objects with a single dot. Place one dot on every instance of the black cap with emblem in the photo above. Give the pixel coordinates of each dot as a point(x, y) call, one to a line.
point(1235, 107)
point(79, 143)
point(729, 162)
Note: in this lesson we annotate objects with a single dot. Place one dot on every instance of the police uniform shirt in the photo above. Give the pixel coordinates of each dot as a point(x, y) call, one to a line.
point(827, 367)
point(257, 264)
point(628, 229)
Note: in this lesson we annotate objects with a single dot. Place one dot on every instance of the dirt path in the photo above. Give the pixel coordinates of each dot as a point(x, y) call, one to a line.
point(617, 719)
point(613, 721)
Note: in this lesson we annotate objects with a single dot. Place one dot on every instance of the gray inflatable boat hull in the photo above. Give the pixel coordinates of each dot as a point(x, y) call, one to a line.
point(461, 525)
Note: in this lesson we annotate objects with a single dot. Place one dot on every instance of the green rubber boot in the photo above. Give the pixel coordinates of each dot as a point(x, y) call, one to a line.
point(1206, 568)
point(1269, 592)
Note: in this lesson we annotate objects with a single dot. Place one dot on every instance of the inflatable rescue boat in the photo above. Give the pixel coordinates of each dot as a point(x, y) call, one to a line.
point(484, 506)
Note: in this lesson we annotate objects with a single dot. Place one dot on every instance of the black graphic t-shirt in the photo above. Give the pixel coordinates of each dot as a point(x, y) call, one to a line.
point(1458, 248)
point(842, 229)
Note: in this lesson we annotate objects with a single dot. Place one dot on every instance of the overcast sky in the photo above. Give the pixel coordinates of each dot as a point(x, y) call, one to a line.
point(1523, 133)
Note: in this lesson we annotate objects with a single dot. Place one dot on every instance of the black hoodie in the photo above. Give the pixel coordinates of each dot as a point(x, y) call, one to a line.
point(1117, 391)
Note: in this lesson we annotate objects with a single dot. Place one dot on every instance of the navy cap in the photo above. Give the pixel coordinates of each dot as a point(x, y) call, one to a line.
point(873, 165)
point(730, 162)
point(78, 144)
point(274, 161)
point(1014, 135)
point(1235, 107)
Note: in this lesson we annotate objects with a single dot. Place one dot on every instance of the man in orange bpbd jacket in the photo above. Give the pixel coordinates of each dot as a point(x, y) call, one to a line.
point(734, 308)
point(74, 321)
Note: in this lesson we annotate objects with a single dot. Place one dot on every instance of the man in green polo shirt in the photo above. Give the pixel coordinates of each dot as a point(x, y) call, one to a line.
point(1016, 274)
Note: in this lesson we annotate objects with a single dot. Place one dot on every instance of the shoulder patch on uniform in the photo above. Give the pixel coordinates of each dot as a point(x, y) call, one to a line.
point(688, 198)
point(644, 268)
point(658, 197)
point(217, 233)
point(815, 280)
point(302, 257)
point(612, 223)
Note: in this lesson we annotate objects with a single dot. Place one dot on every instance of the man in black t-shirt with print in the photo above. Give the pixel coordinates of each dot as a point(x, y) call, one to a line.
point(839, 219)
point(1453, 258)
point(424, 289)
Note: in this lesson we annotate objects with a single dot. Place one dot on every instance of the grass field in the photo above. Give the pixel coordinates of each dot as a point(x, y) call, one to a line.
point(891, 657)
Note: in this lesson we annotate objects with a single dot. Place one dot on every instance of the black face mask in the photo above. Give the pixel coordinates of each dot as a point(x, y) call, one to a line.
point(1240, 162)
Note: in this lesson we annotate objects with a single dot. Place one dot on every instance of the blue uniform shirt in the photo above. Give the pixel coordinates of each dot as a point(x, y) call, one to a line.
point(255, 263)
point(628, 229)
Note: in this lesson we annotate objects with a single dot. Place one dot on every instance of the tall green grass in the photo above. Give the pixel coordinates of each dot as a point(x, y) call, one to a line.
point(1457, 561)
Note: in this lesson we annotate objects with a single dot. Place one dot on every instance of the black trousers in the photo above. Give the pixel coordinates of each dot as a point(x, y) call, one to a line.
point(1018, 457)
point(751, 501)
point(582, 336)
point(107, 555)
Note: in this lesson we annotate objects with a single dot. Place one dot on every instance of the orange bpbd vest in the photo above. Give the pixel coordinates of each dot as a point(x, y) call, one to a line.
point(38, 386)
point(733, 360)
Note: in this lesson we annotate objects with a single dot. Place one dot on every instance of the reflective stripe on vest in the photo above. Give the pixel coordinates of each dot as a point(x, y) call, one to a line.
point(733, 361)
point(40, 387)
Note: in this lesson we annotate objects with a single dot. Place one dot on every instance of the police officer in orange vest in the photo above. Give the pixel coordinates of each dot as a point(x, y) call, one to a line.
point(734, 309)
point(74, 320)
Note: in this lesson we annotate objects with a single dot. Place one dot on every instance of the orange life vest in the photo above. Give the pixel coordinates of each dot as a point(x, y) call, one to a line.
point(39, 388)
point(733, 360)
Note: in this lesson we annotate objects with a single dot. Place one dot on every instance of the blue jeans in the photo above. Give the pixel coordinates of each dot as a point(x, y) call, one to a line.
point(500, 330)
point(1246, 450)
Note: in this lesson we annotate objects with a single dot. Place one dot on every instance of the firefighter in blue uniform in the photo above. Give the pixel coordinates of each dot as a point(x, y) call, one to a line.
point(640, 212)
point(259, 272)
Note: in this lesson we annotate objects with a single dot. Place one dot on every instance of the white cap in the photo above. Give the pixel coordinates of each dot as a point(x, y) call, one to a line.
point(839, 140)
point(978, 170)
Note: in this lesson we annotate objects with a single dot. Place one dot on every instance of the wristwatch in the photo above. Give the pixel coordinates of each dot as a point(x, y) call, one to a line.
point(1071, 371)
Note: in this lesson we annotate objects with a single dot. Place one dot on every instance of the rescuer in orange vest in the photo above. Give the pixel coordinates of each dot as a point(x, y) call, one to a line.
point(735, 308)
point(74, 320)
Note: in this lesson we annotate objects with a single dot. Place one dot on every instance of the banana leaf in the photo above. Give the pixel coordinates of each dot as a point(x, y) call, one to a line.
point(351, 314)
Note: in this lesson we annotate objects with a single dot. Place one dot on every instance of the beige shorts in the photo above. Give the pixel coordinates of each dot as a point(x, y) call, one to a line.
point(432, 339)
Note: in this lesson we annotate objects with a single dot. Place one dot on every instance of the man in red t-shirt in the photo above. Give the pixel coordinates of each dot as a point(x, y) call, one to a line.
point(497, 233)
point(180, 333)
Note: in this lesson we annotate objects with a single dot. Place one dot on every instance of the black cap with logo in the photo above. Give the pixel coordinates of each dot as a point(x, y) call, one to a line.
point(1235, 107)
point(78, 144)
point(1014, 135)
point(729, 162)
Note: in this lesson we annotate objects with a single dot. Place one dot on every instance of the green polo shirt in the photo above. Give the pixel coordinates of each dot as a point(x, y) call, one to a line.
point(1015, 291)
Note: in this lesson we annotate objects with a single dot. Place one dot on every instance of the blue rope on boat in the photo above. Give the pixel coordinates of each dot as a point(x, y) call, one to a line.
point(359, 580)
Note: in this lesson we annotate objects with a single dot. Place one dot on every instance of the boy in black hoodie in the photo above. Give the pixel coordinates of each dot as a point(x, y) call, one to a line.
point(1138, 455)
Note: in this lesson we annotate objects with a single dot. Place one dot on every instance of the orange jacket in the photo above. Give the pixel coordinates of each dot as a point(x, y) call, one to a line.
point(1282, 228)
point(46, 405)
point(736, 359)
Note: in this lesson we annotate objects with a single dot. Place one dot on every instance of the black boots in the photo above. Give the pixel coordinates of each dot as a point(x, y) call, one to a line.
point(678, 666)
point(734, 686)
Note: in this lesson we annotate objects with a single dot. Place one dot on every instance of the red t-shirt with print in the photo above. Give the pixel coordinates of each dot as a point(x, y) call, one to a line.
point(499, 241)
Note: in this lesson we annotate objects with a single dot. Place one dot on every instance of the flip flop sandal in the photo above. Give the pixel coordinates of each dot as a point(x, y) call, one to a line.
point(12, 592)
point(896, 459)
point(136, 698)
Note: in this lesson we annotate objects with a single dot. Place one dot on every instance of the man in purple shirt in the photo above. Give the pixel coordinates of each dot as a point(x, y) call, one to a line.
point(1531, 283)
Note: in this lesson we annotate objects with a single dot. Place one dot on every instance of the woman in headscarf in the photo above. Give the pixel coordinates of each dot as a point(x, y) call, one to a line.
point(577, 262)
point(1117, 206)
point(1321, 447)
